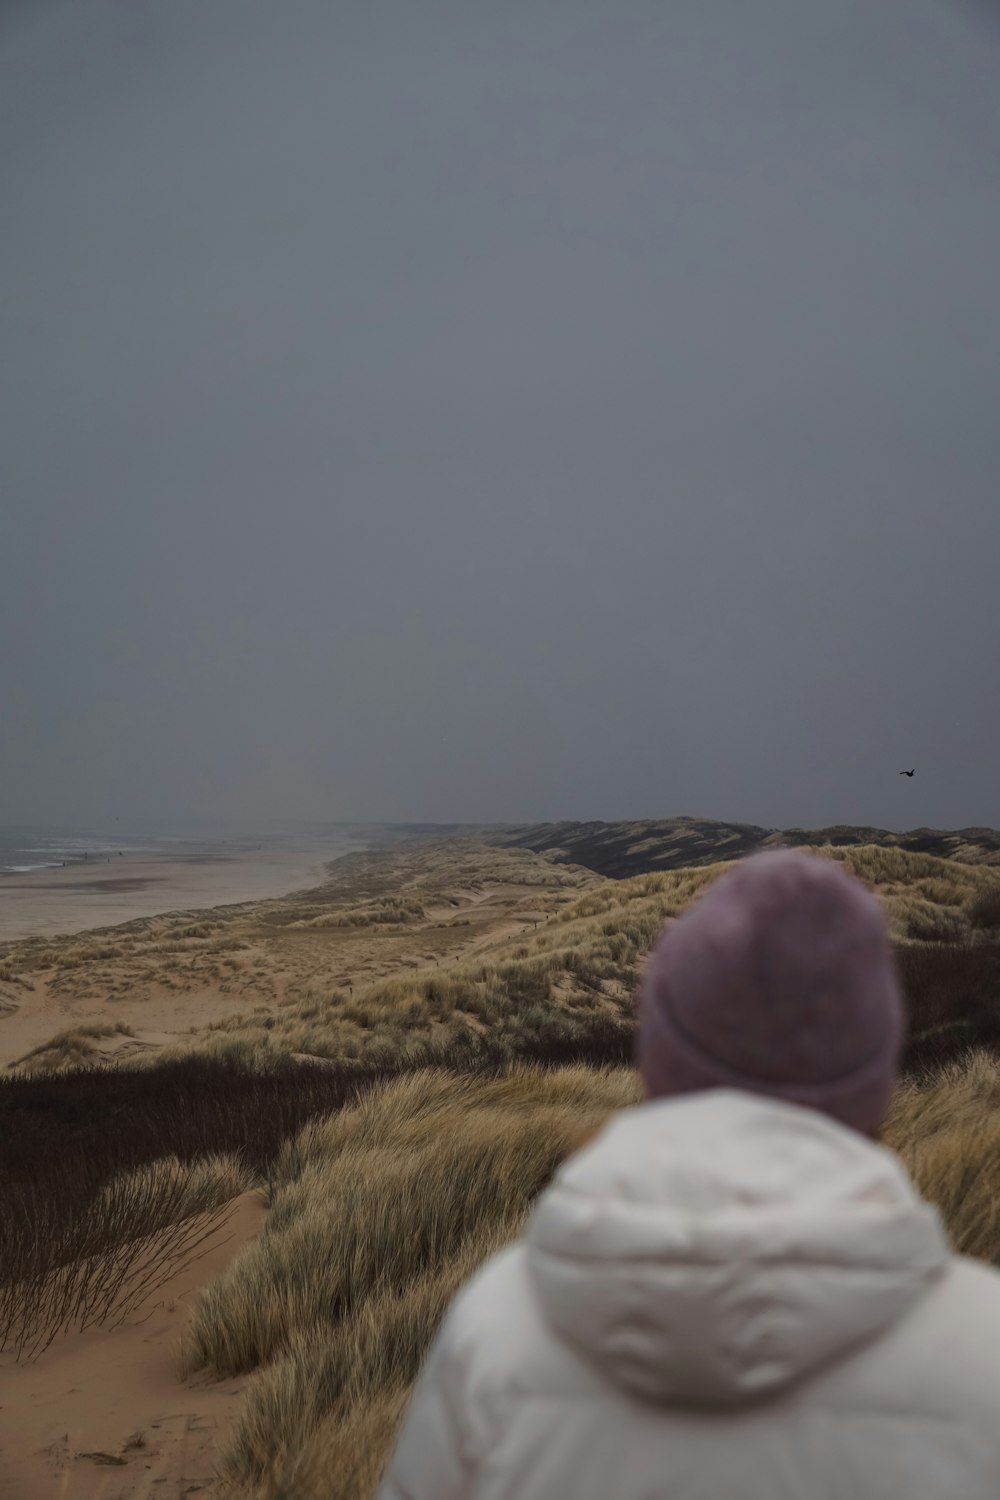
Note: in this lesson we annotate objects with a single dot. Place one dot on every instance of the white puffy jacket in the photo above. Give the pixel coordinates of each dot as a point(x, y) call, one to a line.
point(720, 1298)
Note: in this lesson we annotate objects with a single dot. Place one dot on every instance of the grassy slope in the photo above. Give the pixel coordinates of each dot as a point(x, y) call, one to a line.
point(576, 973)
point(378, 1217)
point(623, 849)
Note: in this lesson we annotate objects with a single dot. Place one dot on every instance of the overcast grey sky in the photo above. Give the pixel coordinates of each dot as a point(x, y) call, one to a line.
point(464, 410)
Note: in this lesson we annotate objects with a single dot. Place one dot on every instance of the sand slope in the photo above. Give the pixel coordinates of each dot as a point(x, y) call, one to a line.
point(66, 1419)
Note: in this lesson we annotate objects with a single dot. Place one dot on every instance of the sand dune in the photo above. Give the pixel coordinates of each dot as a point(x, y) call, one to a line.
point(164, 978)
point(168, 978)
point(305, 972)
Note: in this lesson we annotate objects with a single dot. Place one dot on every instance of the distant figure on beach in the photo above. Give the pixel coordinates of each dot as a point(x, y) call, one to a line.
point(733, 1291)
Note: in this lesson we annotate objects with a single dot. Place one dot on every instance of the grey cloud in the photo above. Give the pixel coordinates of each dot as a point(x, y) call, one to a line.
point(464, 411)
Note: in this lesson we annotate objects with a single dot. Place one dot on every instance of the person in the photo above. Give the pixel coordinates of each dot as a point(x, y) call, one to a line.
point(733, 1290)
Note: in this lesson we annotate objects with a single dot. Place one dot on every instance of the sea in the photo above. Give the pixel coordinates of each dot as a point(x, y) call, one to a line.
point(27, 848)
point(24, 849)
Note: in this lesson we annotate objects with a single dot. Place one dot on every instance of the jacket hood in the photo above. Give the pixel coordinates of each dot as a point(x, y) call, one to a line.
point(714, 1248)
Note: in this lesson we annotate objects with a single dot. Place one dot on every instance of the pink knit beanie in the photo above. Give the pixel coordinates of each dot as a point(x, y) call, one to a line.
point(779, 981)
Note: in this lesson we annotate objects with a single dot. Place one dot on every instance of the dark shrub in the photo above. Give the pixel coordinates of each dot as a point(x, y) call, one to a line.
point(953, 1000)
point(984, 910)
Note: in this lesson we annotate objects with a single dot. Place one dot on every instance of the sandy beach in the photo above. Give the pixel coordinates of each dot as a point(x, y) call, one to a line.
point(114, 889)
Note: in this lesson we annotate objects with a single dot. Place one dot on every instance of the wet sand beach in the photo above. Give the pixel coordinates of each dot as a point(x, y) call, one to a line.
point(111, 889)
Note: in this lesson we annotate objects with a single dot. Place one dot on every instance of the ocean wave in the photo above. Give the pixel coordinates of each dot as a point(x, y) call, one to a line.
point(26, 869)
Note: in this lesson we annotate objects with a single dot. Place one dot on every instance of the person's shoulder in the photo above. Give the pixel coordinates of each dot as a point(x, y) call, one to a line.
point(938, 1362)
point(497, 1335)
point(950, 1344)
point(496, 1298)
point(965, 1352)
point(971, 1292)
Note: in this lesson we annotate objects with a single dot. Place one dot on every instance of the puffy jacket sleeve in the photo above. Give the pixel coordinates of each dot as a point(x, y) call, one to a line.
point(432, 1459)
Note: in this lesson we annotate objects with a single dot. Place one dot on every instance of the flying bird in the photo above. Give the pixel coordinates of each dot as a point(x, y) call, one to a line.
point(906, 773)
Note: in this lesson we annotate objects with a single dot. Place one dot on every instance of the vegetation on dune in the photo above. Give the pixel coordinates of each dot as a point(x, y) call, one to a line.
point(945, 1126)
point(128, 1238)
point(379, 1216)
point(95, 1164)
point(400, 1133)
point(99, 1166)
point(72, 1048)
point(376, 1218)
point(378, 899)
point(953, 1001)
point(579, 970)
point(567, 979)
point(929, 899)
point(984, 908)
point(388, 911)
point(625, 849)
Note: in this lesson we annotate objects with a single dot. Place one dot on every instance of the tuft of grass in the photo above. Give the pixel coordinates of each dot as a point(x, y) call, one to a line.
point(133, 1234)
point(368, 1200)
point(392, 911)
point(945, 1127)
point(71, 1048)
point(376, 1217)
point(320, 1419)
